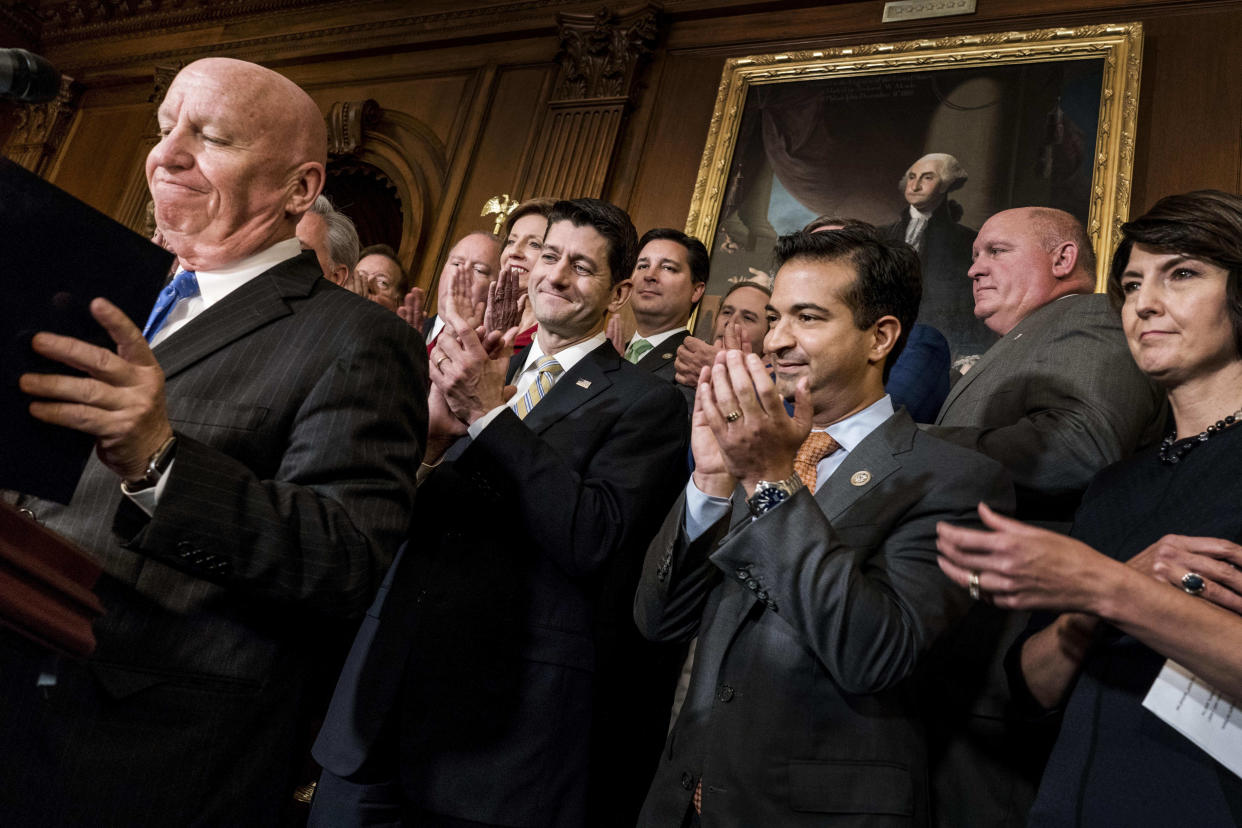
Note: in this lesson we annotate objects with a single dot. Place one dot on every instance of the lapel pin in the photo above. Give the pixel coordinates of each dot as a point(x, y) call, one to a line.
point(584, 383)
point(667, 356)
point(861, 478)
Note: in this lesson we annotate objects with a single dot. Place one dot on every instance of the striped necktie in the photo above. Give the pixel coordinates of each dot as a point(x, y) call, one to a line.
point(183, 286)
point(637, 350)
point(547, 369)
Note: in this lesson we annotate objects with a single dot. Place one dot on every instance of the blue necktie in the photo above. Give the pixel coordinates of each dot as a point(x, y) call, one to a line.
point(183, 286)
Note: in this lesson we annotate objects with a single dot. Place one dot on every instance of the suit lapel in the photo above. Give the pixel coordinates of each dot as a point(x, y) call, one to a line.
point(664, 353)
point(874, 456)
point(578, 385)
point(251, 306)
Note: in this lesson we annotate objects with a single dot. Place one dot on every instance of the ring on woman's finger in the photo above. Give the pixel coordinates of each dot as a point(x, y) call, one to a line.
point(975, 592)
point(1193, 583)
point(733, 416)
point(440, 360)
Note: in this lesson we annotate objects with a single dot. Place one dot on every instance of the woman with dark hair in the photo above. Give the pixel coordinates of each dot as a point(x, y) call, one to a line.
point(1150, 574)
point(522, 241)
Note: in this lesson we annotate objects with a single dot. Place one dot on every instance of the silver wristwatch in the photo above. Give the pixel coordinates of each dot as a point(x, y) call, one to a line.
point(768, 493)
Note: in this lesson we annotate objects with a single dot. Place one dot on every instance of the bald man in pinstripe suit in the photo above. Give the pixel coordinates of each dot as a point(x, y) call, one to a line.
point(254, 474)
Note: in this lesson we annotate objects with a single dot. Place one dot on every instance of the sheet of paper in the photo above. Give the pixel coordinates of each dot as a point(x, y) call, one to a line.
point(1199, 713)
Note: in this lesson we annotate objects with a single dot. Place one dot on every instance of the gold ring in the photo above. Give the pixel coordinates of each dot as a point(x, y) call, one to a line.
point(733, 416)
point(974, 586)
point(440, 360)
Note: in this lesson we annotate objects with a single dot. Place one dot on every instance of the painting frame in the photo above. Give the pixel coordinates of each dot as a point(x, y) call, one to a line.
point(1117, 47)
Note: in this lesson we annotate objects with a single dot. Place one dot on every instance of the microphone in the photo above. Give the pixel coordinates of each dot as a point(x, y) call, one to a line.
point(26, 77)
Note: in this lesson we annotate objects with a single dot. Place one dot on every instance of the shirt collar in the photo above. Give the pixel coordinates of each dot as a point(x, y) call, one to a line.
point(215, 284)
point(916, 213)
point(853, 429)
point(567, 357)
point(657, 339)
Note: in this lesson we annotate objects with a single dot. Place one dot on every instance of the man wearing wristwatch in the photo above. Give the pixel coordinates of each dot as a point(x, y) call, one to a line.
point(802, 554)
point(254, 473)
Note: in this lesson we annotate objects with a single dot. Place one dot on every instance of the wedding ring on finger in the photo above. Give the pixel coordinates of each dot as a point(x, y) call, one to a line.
point(1193, 583)
point(733, 416)
point(974, 586)
point(439, 361)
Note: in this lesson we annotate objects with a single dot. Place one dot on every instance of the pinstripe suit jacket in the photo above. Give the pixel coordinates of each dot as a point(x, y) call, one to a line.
point(301, 417)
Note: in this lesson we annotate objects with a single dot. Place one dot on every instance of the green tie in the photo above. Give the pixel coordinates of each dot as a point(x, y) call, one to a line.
point(637, 350)
point(546, 371)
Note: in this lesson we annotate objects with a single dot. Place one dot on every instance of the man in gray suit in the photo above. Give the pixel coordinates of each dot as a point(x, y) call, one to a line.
point(253, 476)
point(817, 600)
point(1055, 400)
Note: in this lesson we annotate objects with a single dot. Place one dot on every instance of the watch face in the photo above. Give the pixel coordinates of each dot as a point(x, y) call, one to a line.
point(766, 496)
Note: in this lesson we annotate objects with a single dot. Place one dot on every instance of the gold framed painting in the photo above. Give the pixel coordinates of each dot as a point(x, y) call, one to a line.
point(1042, 117)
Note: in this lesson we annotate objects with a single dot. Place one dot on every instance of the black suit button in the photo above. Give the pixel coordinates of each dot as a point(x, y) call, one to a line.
point(687, 781)
point(742, 574)
point(770, 605)
point(752, 584)
point(762, 594)
point(725, 693)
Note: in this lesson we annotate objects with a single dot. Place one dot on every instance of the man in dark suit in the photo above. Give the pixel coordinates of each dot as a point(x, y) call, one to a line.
point(815, 603)
point(252, 479)
point(474, 261)
point(473, 688)
point(930, 224)
point(1055, 400)
point(669, 279)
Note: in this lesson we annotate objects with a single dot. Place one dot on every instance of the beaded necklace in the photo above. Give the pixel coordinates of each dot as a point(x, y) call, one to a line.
point(1172, 451)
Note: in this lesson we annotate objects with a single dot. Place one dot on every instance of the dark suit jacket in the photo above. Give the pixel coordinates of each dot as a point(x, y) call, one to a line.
point(811, 620)
point(919, 379)
point(660, 362)
point(494, 607)
point(300, 418)
point(1055, 400)
point(948, 304)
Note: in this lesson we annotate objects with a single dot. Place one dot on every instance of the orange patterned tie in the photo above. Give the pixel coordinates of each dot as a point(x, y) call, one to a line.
point(817, 446)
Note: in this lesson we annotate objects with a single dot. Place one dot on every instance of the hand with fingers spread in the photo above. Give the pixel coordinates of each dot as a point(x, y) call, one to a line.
point(472, 382)
point(711, 475)
point(693, 355)
point(503, 310)
point(1018, 566)
point(120, 402)
point(758, 439)
point(411, 309)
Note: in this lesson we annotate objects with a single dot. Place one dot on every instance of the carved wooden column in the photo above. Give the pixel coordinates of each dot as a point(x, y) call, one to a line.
point(41, 129)
point(599, 60)
point(134, 208)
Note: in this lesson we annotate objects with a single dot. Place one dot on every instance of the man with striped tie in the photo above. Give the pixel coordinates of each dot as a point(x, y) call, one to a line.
point(803, 555)
point(254, 475)
point(478, 691)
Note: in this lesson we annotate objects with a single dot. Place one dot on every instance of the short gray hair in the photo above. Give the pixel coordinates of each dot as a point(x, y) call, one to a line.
point(343, 244)
point(951, 171)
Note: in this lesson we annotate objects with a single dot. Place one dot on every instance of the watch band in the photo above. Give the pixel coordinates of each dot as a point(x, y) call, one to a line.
point(769, 494)
point(156, 466)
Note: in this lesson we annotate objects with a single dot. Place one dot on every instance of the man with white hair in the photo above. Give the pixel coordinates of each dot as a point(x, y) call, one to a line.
point(930, 225)
point(333, 237)
point(255, 452)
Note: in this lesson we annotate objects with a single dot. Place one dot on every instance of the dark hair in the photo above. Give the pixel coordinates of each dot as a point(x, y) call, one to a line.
point(696, 253)
point(767, 291)
point(1205, 224)
point(836, 222)
point(403, 280)
point(539, 206)
point(889, 281)
point(611, 222)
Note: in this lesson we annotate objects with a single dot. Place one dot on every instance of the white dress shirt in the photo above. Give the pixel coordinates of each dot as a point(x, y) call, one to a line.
point(567, 357)
point(655, 339)
point(916, 227)
point(703, 510)
point(213, 285)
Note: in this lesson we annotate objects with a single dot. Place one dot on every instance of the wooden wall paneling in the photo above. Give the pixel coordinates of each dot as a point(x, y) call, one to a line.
point(1190, 107)
point(101, 154)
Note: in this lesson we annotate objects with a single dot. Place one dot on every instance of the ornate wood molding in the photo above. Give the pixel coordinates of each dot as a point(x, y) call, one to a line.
point(600, 58)
point(347, 122)
point(41, 129)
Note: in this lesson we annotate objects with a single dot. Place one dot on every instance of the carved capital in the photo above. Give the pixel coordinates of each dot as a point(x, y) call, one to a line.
point(41, 128)
point(163, 79)
point(347, 120)
point(600, 53)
